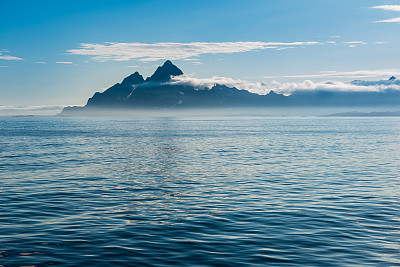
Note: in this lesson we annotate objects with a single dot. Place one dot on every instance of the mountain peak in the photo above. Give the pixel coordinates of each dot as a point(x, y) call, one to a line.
point(392, 78)
point(134, 78)
point(167, 63)
point(165, 72)
point(272, 92)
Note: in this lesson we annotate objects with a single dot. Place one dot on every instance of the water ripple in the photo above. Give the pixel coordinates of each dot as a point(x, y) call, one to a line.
point(202, 192)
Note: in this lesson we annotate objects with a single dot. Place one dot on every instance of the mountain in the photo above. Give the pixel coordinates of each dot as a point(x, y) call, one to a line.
point(391, 81)
point(325, 98)
point(164, 73)
point(159, 91)
point(117, 93)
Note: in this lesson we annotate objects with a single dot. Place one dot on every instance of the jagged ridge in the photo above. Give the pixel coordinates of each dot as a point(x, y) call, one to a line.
point(155, 92)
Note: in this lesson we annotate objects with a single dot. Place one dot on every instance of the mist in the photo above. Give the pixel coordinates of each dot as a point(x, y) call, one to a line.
point(224, 112)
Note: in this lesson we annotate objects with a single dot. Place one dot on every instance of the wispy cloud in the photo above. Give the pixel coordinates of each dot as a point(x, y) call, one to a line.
point(356, 42)
point(64, 62)
point(388, 7)
point(173, 51)
point(8, 57)
point(395, 8)
point(40, 62)
point(190, 59)
point(359, 74)
point(284, 48)
point(390, 20)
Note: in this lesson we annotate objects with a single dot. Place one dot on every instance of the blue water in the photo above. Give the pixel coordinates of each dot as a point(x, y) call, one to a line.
point(200, 192)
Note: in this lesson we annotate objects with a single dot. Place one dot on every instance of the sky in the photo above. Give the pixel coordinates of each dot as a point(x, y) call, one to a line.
point(59, 53)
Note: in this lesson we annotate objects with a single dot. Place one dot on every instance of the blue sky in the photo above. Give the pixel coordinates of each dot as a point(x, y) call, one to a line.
point(61, 52)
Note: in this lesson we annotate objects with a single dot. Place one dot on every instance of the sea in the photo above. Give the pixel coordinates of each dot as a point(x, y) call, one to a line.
point(200, 191)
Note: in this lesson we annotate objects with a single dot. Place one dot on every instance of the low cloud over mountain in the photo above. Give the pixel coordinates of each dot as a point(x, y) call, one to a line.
point(288, 87)
point(169, 88)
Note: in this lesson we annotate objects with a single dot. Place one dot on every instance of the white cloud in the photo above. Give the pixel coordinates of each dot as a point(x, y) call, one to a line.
point(388, 7)
point(40, 62)
point(172, 51)
point(284, 48)
point(64, 62)
point(190, 59)
point(389, 20)
point(290, 87)
point(359, 74)
point(8, 57)
point(356, 42)
point(208, 83)
point(308, 85)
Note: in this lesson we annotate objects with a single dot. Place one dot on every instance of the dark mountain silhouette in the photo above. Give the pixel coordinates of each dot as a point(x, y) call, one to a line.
point(135, 78)
point(158, 92)
point(164, 73)
point(117, 93)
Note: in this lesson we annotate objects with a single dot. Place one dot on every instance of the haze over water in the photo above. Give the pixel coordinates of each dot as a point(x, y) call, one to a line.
point(199, 191)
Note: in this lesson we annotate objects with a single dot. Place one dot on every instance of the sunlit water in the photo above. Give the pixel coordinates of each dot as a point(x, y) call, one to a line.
point(200, 192)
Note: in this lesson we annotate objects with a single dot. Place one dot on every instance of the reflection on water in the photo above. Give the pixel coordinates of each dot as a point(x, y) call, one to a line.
point(276, 191)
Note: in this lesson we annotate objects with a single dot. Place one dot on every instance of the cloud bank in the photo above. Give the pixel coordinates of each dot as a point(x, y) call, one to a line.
point(29, 110)
point(308, 85)
point(359, 74)
point(173, 51)
point(286, 87)
point(208, 83)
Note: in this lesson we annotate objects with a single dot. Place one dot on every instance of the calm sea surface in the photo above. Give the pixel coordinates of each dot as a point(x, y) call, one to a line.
point(200, 192)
